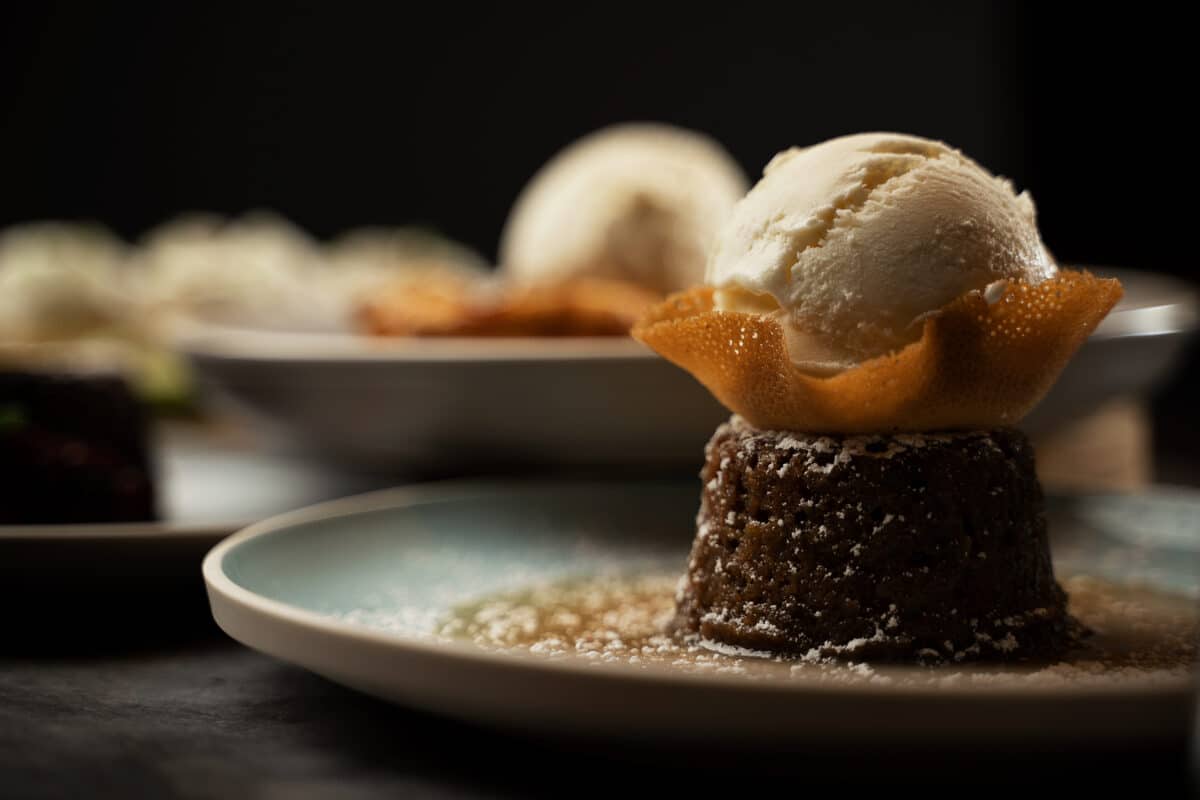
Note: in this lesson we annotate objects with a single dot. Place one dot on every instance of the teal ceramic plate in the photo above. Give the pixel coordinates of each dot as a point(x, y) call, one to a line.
point(366, 592)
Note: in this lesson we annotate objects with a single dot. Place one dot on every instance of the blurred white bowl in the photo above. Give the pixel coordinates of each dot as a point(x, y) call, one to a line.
point(1131, 352)
point(454, 404)
point(435, 405)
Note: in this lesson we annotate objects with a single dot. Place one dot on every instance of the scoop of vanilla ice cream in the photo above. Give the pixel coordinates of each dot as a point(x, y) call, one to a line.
point(640, 202)
point(366, 260)
point(60, 280)
point(256, 270)
point(853, 241)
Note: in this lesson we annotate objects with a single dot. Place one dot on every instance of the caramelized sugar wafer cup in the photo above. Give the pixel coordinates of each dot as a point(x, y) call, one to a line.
point(976, 365)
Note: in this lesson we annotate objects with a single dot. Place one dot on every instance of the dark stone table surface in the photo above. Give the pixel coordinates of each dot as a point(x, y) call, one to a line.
point(198, 716)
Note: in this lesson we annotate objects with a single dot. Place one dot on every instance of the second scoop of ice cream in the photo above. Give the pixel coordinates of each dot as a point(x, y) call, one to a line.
point(639, 202)
point(853, 241)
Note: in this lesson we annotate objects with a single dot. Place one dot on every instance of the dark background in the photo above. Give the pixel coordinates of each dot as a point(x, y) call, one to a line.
point(341, 114)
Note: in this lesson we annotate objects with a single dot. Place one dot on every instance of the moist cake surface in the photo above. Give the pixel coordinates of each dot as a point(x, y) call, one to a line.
point(928, 547)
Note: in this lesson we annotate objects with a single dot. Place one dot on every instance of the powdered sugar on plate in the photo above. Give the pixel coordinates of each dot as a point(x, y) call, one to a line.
point(1142, 638)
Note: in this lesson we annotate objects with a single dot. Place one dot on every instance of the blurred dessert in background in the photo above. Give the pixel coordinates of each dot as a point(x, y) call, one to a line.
point(255, 270)
point(60, 281)
point(79, 364)
point(88, 327)
point(261, 271)
point(431, 302)
point(635, 202)
point(880, 311)
point(74, 293)
point(600, 233)
point(67, 297)
point(445, 304)
point(584, 306)
point(362, 257)
point(73, 447)
point(409, 282)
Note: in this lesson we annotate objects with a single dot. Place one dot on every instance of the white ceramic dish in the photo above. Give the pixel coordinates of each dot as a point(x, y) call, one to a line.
point(476, 404)
point(453, 405)
point(349, 590)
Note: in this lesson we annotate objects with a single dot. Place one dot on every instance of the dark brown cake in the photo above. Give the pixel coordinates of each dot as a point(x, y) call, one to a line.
point(73, 449)
point(925, 547)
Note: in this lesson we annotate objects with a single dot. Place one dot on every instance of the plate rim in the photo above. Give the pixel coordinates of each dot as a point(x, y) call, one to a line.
point(277, 612)
point(132, 531)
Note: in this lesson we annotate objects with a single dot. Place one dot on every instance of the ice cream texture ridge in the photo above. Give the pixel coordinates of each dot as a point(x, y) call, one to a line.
point(879, 282)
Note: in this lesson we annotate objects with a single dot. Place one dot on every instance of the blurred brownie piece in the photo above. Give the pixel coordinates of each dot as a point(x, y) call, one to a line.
point(73, 449)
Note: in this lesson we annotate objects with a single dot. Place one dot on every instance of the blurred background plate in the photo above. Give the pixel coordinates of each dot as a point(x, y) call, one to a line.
point(470, 405)
point(428, 406)
point(212, 480)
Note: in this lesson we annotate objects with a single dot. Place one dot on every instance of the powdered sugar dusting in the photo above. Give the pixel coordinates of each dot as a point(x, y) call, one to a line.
point(1142, 637)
